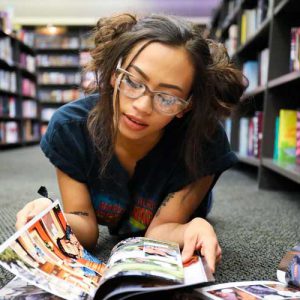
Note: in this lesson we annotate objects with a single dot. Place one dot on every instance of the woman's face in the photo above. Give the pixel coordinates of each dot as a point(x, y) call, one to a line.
point(162, 68)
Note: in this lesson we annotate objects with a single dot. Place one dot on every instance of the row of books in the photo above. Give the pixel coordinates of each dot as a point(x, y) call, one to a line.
point(47, 113)
point(287, 137)
point(46, 60)
point(63, 41)
point(256, 71)
point(250, 135)
point(28, 88)
point(9, 132)
point(56, 42)
point(8, 106)
point(6, 52)
point(252, 19)
point(31, 131)
point(58, 96)
point(29, 109)
point(8, 81)
point(27, 62)
point(26, 36)
point(295, 49)
point(59, 78)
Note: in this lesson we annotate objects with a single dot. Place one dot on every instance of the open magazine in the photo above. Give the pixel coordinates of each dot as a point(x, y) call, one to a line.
point(287, 286)
point(48, 260)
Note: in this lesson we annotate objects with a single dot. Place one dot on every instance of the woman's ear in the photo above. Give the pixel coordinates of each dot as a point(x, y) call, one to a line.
point(113, 79)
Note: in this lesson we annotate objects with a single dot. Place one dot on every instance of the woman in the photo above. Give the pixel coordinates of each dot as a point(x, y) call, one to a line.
point(143, 155)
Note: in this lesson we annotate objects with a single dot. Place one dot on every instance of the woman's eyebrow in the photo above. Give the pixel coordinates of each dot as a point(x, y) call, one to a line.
point(167, 85)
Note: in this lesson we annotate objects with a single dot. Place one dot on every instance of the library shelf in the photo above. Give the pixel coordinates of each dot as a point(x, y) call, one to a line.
point(230, 19)
point(8, 93)
point(257, 40)
point(281, 90)
point(5, 65)
point(284, 79)
point(255, 92)
point(59, 85)
point(32, 142)
point(291, 171)
point(10, 145)
point(28, 97)
point(52, 103)
point(58, 68)
point(26, 48)
point(8, 118)
point(57, 50)
point(28, 74)
point(250, 160)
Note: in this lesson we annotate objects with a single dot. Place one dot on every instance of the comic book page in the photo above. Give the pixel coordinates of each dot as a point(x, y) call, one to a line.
point(250, 290)
point(46, 253)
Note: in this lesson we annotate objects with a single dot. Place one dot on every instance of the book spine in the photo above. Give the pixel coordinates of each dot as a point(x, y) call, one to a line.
point(298, 138)
point(275, 152)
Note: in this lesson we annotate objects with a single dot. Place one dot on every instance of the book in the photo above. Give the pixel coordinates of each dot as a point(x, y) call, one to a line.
point(45, 253)
point(287, 286)
point(287, 136)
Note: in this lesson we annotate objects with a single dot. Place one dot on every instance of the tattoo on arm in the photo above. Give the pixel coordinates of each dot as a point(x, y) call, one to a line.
point(79, 213)
point(164, 203)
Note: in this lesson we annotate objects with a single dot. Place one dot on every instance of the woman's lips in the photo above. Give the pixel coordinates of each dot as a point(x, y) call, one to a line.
point(134, 123)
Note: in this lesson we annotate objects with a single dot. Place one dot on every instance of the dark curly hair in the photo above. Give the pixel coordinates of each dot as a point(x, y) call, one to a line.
point(216, 89)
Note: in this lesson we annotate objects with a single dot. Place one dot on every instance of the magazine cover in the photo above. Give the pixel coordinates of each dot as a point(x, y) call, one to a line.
point(46, 253)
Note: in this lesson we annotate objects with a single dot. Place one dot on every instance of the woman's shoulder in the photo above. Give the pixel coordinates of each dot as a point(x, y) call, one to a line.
point(75, 111)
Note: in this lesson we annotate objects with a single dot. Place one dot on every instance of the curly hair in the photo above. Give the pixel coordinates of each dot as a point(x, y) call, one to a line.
point(216, 89)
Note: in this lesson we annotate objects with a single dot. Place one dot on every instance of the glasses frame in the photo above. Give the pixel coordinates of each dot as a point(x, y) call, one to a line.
point(147, 90)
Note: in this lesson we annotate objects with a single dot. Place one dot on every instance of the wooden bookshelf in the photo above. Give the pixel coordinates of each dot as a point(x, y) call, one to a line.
point(249, 160)
point(281, 90)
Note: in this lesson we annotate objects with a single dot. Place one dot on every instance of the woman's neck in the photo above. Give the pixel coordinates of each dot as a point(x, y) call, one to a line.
point(135, 149)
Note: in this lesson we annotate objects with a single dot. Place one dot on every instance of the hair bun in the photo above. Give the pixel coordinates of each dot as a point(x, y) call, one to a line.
point(109, 28)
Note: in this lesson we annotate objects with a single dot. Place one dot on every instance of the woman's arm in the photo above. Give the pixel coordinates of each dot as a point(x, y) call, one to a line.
point(78, 209)
point(171, 223)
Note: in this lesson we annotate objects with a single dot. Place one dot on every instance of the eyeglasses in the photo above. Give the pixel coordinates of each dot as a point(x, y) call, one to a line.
point(164, 103)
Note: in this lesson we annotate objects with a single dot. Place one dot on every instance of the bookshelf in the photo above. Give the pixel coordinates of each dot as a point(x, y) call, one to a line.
point(277, 89)
point(60, 58)
point(59, 68)
point(19, 114)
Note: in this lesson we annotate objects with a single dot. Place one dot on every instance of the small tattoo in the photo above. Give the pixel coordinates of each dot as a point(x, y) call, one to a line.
point(79, 213)
point(164, 203)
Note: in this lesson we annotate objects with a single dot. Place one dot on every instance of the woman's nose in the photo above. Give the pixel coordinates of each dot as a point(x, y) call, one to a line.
point(144, 104)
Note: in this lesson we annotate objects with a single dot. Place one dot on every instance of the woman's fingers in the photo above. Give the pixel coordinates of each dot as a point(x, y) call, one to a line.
point(30, 210)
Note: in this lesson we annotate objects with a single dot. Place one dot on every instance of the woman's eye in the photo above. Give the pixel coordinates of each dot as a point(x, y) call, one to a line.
point(166, 100)
point(133, 83)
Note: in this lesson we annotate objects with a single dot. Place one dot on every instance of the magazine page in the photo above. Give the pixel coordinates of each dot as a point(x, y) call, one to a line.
point(18, 289)
point(46, 253)
point(140, 256)
point(250, 290)
point(289, 267)
point(149, 266)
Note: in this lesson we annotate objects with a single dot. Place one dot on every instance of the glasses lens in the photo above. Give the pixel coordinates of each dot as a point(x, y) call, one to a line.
point(167, 103)
point(131, 87)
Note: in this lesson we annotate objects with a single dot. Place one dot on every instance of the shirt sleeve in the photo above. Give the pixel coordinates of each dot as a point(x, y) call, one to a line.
point(64, 145)
point(217, 157)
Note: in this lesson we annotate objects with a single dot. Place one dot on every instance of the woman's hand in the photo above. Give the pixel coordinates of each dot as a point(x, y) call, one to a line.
point(200, 235)
point(30, 210)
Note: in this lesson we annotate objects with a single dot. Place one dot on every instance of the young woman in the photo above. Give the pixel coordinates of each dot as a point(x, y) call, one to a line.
point(143, 155)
